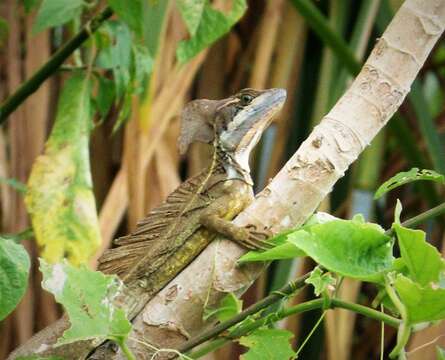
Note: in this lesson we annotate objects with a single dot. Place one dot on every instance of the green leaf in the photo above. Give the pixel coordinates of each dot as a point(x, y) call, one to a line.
point(4, 30)
point(155, 18)
point(268, 344)
point(30, 5)
point(142, 65)
point(117, 56)
point(279, 252)
point(423, 303)
point(191, 12)
point(105, 95)
point(322, 218)
point(88, 297)
point(56, 12)
point(228, 307)
point(131, 12)
point(282, 250)
point(212, 26)
point(440, 353)
point(15, 184)
point(349, 248)
point(407, 177)
point(60, 199)
point(320, 281)
point(124, 112)
point(18, 237)
point(423, 261)
point(14, 270)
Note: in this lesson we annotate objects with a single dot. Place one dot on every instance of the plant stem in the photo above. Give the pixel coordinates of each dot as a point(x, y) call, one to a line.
point(51, 66)
point(366, 311)
point(422, 217)
point(317, 324)
point(404, 330)
point(297, 309)
point(382, 335)
point(126, 350)
point(286, 290)
point(209, 347)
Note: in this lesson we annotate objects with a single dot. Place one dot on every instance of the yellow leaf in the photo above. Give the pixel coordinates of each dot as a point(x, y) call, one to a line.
point(60, 199)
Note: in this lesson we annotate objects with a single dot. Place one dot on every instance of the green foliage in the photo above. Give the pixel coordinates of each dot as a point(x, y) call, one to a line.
point(87, 296)
point(320, 281)
point(406, 177)
point(281, 250)
point(414, 283)
point(18, 237)
point(155, 15)
point(131, 12)
point(105, 95)
point(14, 271)
point(212, 25)
point(4, 30)
point(350, 248)
point(131, 64)
point(228, 307)
point(30, 5)
point(116, 54)
point(56, 12)
point(423, 303)
point(141, 67)
point(420, 288)
point(268, 344)
point(423, 261)
point(191, 12)
point(60, 199)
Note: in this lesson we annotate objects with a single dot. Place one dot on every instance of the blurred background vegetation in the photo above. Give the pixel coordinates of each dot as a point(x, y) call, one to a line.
point(311, 48)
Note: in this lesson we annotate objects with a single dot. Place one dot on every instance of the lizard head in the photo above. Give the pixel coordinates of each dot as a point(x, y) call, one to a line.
point(234, 124)
point(241, 120)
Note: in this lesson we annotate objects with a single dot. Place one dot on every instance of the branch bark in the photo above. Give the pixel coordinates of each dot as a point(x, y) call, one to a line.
point(175, 314)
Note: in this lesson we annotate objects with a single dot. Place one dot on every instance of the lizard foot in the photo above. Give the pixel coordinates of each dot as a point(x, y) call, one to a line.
point(255, 239)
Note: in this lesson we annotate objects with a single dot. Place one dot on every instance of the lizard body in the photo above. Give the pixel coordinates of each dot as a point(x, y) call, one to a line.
point(173, 234)
point(199, 210)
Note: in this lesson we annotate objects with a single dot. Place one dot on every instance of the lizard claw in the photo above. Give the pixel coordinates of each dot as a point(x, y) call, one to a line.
point(255, 239)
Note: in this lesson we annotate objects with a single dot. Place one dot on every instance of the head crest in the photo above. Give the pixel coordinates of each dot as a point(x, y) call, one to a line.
point(196, 123)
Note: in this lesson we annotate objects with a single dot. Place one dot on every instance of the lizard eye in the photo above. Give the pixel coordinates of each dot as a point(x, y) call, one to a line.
point(246, 99)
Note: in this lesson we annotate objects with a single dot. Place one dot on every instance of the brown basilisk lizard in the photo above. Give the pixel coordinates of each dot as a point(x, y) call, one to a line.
point(202, 208)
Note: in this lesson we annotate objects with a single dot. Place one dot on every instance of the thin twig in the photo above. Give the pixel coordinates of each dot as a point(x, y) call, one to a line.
point(286, 290)
point(52, 65)
point(426, 215)
point(297, 309)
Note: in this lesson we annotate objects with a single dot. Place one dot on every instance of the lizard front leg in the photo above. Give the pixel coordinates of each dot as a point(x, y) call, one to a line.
point(217, 218)
point(247, 236)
